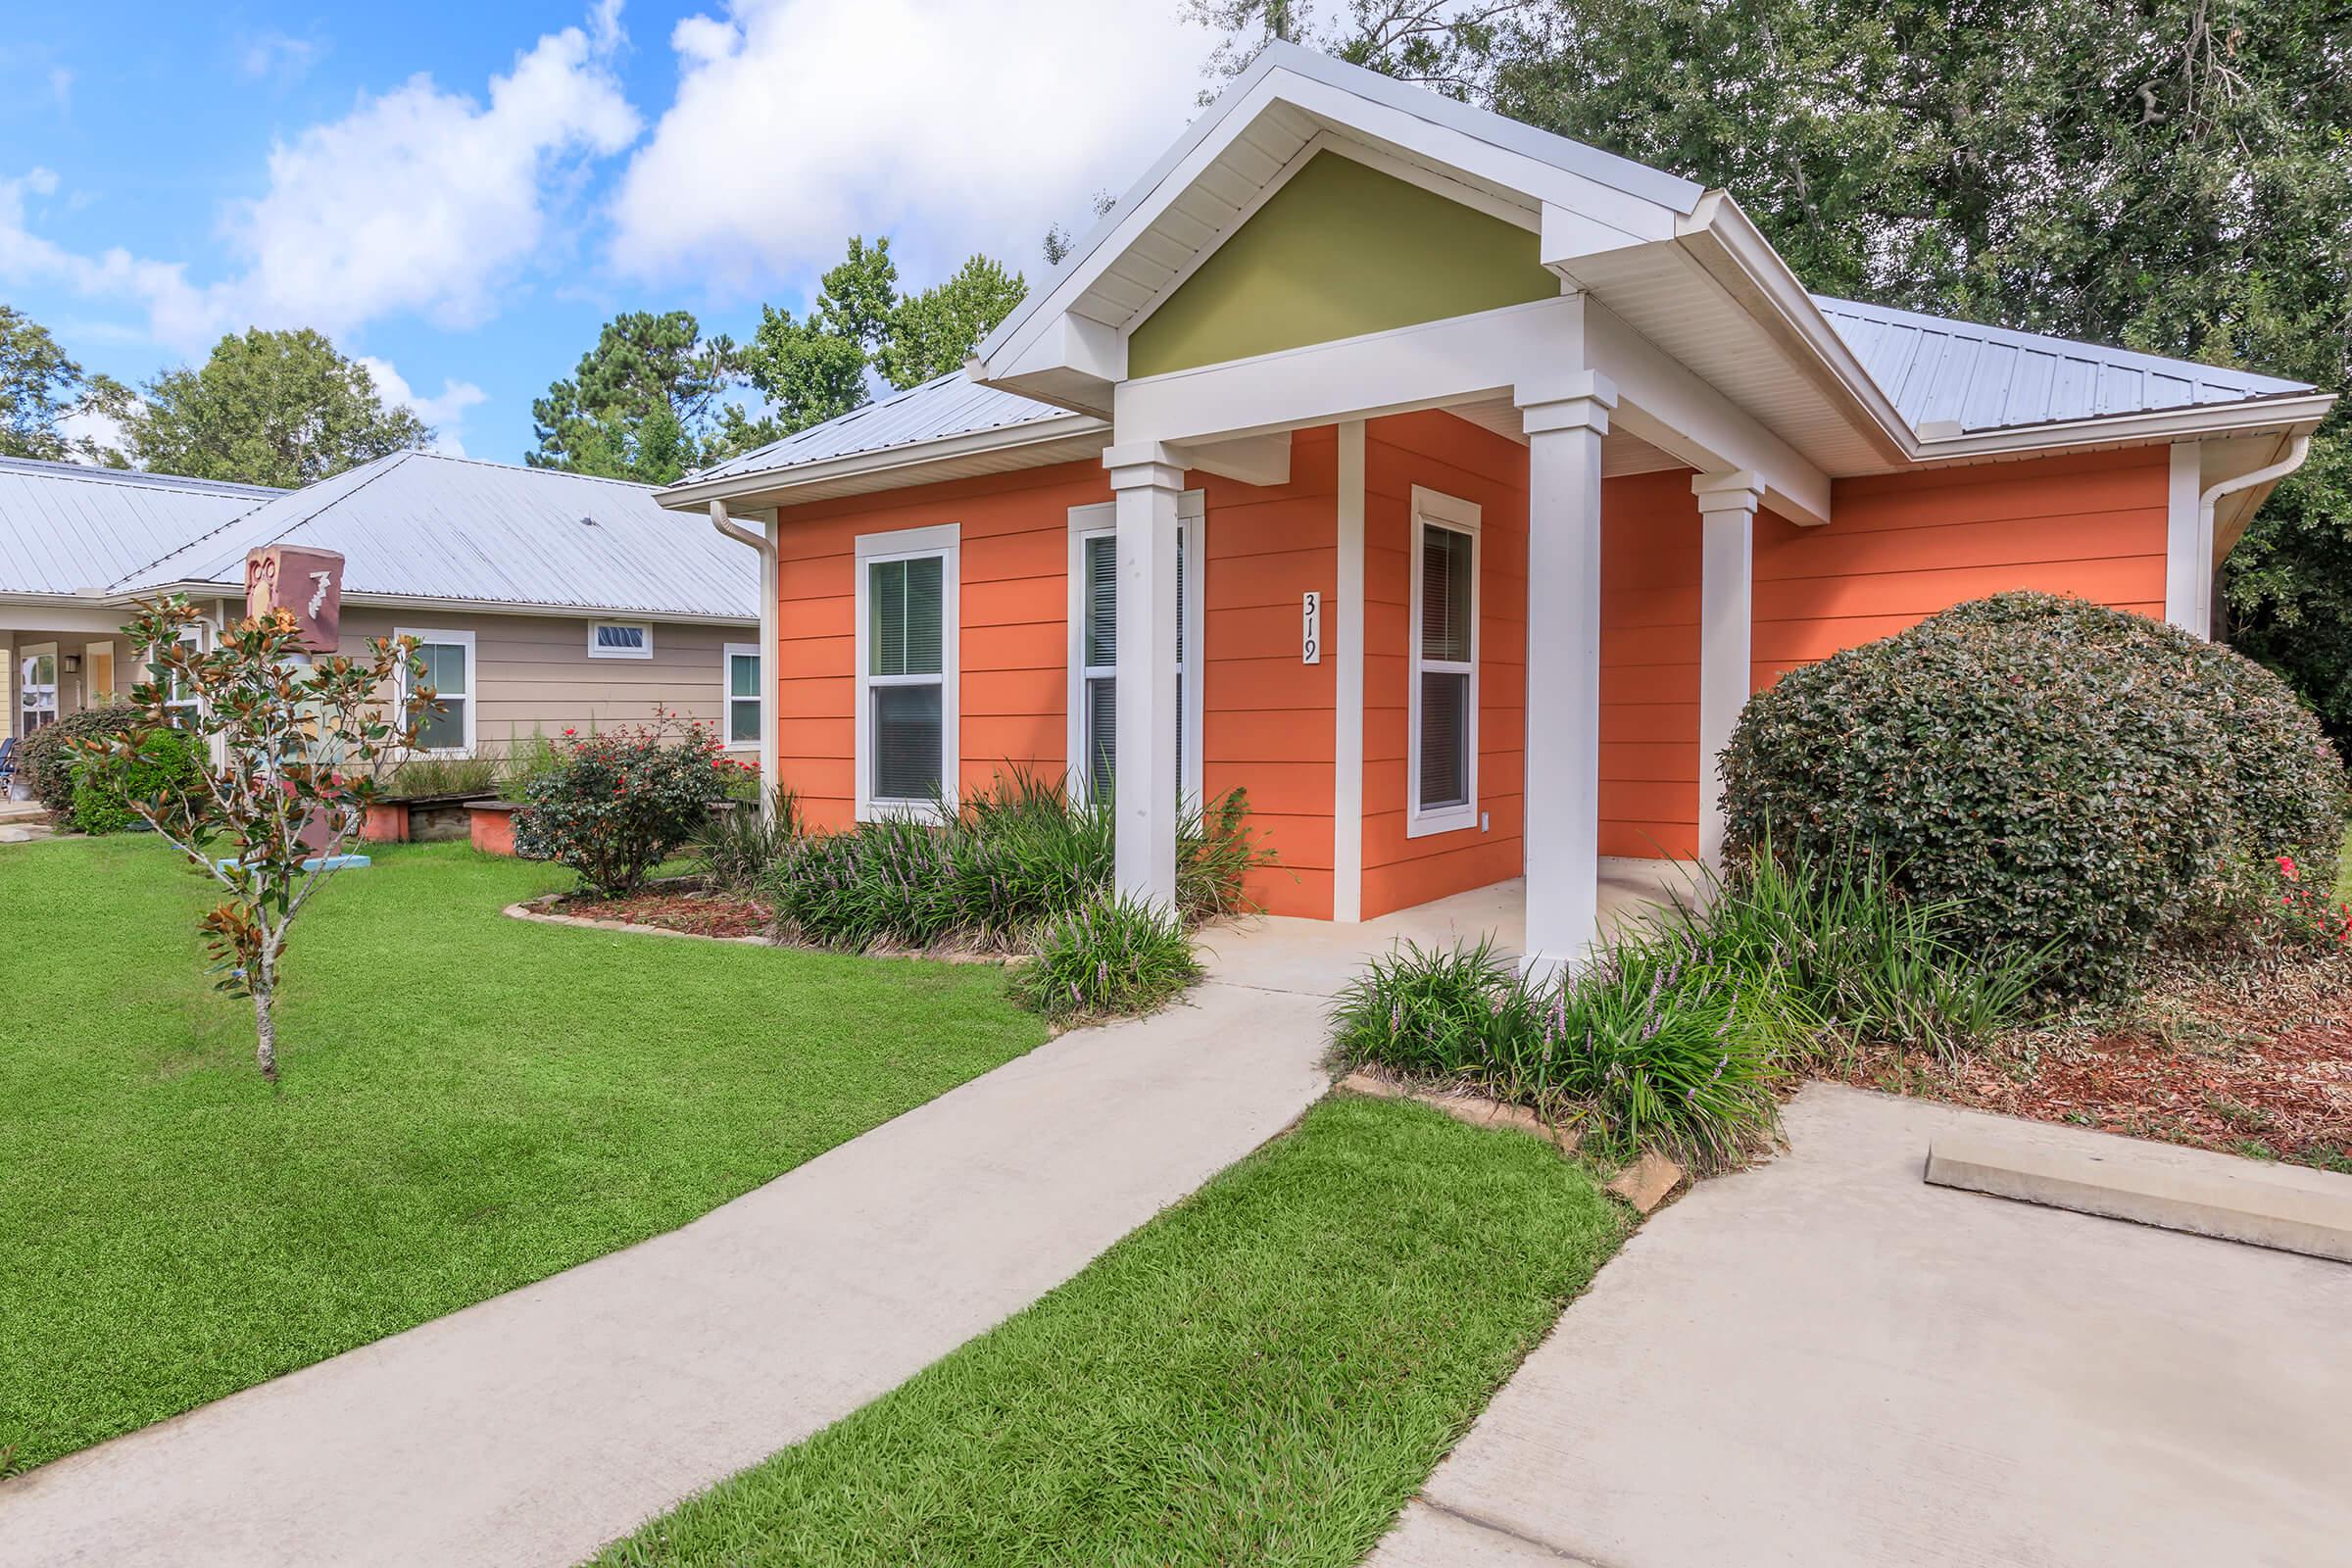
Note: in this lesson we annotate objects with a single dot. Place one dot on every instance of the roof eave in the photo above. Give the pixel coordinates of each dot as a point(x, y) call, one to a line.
point(1057, 439)
point(2188, 421)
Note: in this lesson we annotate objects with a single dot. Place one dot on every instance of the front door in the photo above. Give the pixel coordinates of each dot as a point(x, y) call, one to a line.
point(36, 689)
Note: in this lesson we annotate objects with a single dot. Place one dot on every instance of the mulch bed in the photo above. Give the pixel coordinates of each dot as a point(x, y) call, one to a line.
point(697, 913)
point(2250, 1064)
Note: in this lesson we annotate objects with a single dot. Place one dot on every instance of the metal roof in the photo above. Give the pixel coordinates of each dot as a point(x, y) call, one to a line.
point(1989, 377)
point(420, 525)
point(947, 406)
point(68, 526)
point(1934, 370)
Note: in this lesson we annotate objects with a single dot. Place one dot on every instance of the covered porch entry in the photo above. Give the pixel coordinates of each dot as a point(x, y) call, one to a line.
point(1500, 508)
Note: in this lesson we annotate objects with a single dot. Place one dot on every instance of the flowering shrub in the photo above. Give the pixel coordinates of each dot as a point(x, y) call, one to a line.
point(2294, 914)
point(2065, 777)
point(611, 807)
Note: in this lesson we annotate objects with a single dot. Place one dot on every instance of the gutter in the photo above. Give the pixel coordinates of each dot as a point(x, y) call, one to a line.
point(884, 460)
point(765, 542)
point(2210, 497)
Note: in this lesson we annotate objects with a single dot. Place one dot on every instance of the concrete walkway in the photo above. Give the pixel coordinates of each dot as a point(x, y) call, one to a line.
point(1826, 1361)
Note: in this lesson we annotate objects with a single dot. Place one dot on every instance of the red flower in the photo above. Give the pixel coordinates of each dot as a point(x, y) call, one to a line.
point(2286, 868)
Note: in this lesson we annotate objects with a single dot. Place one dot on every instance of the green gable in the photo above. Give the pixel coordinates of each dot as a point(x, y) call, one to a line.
point(1340, 251)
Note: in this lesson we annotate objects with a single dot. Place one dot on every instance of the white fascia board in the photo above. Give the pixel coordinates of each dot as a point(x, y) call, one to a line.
point(694, 496)
point(2299, 411)
point(1424, 366)
point(1663, 403)
point(62, 613)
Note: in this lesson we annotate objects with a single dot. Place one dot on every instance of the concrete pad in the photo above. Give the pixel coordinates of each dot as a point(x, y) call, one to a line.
point(1824, 1361)
point(2195, 1190)
point(533, 1428)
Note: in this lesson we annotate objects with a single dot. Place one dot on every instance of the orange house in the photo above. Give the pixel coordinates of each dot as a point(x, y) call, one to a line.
point(1449, 487)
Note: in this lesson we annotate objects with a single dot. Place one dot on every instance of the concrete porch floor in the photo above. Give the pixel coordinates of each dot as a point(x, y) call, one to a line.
point(1282, 954)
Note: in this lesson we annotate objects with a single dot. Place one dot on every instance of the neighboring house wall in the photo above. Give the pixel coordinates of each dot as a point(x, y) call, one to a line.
point(77, 689)
point(533, 671)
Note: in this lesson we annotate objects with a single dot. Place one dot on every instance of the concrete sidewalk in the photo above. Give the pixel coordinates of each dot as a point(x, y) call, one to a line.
point(535, 1427)
point(1826, 1361)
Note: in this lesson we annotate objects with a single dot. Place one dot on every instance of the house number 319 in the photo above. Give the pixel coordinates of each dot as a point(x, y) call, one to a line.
point(1311, 646)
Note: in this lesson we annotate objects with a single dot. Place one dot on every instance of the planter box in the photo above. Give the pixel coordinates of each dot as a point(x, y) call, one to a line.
point(387, 823)
point(491, 825)
point(422, 820)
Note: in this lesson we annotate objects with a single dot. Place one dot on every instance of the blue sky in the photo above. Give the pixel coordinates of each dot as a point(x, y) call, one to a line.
point(463, 193)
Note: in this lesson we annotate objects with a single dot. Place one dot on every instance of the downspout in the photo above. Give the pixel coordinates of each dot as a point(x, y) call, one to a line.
point(765, 542)
point(2295, 454)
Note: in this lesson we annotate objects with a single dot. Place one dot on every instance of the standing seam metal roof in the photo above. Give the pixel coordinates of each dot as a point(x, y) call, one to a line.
point(66, 527)
point(947, 406)
point(421, 525)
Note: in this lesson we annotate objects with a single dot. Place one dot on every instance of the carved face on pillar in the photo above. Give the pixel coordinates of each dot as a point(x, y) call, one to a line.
point(306, 583)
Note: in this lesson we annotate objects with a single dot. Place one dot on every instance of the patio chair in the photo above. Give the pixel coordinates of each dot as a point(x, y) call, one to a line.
point(8, 761)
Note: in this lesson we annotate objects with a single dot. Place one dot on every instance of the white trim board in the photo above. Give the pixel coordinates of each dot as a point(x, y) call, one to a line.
point(945, 540)
point(1460, 517)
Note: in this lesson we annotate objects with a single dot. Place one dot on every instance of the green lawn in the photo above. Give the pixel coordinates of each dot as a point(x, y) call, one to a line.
point(1264, 1374)
point(470, 1102)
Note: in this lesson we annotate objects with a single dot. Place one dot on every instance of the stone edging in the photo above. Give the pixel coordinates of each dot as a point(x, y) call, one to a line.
point(1645, 1184)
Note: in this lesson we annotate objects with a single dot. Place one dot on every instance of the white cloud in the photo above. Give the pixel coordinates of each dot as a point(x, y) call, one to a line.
point(418, 200)
point(446, 412)
point(953, 128)
point(98, 425)
point(279, 55)
point(60, 89)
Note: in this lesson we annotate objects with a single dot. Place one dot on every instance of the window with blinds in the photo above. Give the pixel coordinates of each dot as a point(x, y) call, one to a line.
point(1444, 689)
point(905, 676)
point(1097, 677)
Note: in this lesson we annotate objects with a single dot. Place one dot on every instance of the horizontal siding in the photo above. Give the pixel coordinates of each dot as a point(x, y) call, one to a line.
point(1441, 453)
point(1649, 645)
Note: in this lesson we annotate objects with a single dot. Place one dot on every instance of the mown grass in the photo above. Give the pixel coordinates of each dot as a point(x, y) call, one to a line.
point(470, 1103)
point(1264, 1374)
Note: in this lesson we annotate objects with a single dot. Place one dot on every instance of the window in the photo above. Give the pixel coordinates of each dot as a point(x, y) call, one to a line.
point(179, 703)
point(36, 688)
point(742, 696)
point(448, 660)
point(906, 670)
point(1442, 760)
point(619, 639)
point(1094, 649)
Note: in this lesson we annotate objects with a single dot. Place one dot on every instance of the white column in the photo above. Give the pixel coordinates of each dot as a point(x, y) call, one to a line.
point(1146, 482)
point(1348, 738)
point(1726, 518)
point(1563, 672)
point(2187, 543)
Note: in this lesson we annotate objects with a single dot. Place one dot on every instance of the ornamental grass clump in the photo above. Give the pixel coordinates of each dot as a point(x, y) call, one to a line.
point(1112, 957)
point(2051, 774)
point(1654, 1046)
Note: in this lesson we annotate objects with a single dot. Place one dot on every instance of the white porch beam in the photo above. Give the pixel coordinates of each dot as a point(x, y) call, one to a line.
point(1524, 348)
point(1726, 518)
point(1259, 460)
point(1147, 480)
point(1563, 666)
point(1665, 404)
point(35, 619)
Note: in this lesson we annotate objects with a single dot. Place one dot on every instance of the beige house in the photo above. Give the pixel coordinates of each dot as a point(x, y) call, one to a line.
point(543, 601)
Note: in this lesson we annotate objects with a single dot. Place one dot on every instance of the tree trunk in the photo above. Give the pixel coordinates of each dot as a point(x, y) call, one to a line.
point(265, 1028)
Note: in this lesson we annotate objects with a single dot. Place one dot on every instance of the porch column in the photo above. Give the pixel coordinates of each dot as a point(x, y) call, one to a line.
point(1727, 519)
point(1146, 481)
point(1563, 671)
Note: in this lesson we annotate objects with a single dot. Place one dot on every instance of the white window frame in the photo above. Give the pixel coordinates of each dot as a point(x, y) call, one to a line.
point(643, 626)
point(196, 637)
point(728, 655)
point(946, 541)
point(56, 687)
point(1094, 521)
point(473, 683)
point(1461, 517)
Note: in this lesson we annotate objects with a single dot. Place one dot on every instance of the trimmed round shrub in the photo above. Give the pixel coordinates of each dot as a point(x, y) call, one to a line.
point(46, 761)
point(2073, 778)
point(612, 806)
point(167, 760)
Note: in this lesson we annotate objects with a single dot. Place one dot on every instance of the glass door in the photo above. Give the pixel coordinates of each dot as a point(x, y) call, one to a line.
point(37, 689)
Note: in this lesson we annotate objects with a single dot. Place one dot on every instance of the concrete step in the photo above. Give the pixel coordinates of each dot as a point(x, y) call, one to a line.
point(2289, 1207)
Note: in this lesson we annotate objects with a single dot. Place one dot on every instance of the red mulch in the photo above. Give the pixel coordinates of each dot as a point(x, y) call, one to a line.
point(2257, 1065)
point(703, 914)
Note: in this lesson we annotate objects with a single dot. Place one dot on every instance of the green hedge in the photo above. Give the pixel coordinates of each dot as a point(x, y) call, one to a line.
point(46, 763)
point(103, 792)
point(2065, 774)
